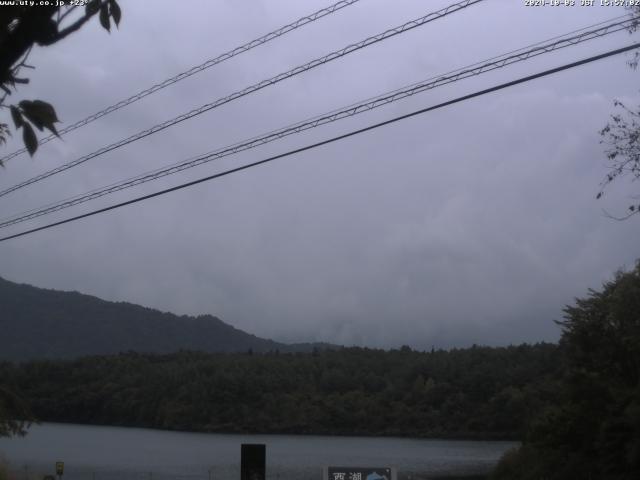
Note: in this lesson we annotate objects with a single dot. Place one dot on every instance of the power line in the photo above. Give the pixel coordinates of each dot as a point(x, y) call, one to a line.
point(333, 139)
point(476, 69)
point(253, 88)
point(459, 74)
point(192, 71)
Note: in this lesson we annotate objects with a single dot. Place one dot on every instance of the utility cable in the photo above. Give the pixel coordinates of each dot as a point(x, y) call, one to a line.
point(192, 71)
point(332, 140)
point(253, 88)
point(352, 110)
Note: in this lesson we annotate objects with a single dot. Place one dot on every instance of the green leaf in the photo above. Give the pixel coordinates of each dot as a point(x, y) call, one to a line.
point(116, 13)
point(17, 116)
point(29, 137)
point(31, 113)
point(41, 114)
point(104, 17)
point(51, 127)
point(47, 111)
point(92, 7)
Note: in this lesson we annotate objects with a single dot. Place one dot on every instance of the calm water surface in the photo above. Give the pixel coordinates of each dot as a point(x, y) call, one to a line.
point(110, 453)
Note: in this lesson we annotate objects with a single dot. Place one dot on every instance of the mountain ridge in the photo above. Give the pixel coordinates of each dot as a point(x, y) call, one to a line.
point(42, 323)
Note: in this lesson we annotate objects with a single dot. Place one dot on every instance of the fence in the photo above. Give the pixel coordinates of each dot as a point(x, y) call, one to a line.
point(230, 472)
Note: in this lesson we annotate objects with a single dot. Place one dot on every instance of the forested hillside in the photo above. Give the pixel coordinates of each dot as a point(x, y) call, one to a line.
point(591, 428)
point(477, 392)
point(38, 323)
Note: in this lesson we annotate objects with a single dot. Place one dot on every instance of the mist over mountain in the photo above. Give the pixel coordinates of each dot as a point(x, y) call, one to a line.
point(40, 323)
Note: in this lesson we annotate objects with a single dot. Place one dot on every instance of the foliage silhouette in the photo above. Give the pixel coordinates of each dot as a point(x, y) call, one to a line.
point(592, 428)
point(23, 26)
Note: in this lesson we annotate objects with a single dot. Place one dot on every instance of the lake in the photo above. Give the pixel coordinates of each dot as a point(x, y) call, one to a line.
point(110, 453)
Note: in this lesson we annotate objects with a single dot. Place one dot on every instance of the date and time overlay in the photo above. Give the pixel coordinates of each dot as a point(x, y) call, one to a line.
point(581, 3)
point(526, 3)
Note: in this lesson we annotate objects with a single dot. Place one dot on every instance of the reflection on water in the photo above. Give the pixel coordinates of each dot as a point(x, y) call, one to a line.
point(110, 453)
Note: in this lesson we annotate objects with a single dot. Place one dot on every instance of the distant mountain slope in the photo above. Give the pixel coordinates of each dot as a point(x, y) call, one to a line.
point(40, 323)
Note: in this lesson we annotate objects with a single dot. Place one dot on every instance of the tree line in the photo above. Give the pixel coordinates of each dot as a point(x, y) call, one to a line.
point(591, 429)
point(575, 405)
point(477, 392)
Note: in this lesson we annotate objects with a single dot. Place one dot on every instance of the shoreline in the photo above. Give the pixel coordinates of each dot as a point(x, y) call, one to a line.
point(165, 454)
point(460, 438)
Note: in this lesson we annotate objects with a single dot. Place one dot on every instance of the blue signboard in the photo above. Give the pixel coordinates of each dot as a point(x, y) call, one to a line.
point(359, 473)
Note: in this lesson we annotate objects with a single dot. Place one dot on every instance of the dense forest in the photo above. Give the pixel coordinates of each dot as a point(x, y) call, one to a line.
point(575, 405)
point(591, 428)
point(477, 392)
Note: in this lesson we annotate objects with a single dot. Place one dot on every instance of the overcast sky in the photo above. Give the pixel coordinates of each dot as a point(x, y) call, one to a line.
point(475, 223)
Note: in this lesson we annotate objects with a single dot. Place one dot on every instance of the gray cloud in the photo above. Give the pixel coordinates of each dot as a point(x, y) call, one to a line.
point(474, 223)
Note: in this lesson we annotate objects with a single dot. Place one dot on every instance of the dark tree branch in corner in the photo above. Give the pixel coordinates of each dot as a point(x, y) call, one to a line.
point(75, 26)
point(22, 27)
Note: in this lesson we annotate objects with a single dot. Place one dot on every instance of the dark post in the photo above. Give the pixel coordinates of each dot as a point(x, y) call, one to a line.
point(59, 469)
point(253, 461)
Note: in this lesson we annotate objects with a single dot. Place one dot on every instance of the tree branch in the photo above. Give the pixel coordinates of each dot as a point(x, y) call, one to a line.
point(20, 39)
point(69, 10)
point(70, 29)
